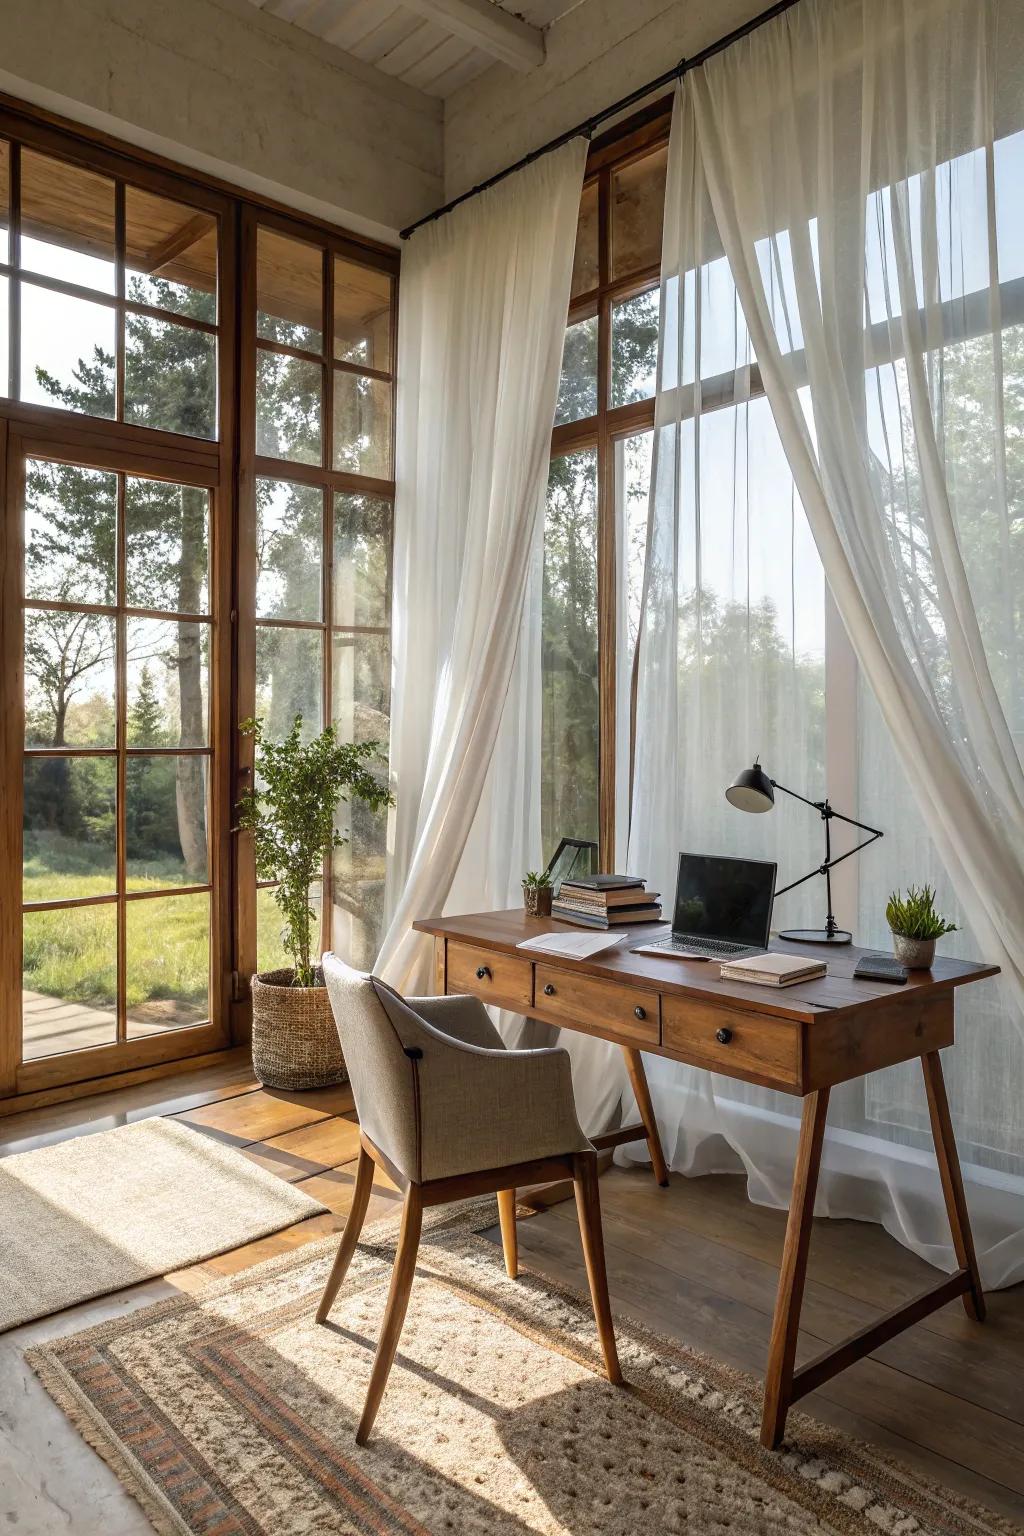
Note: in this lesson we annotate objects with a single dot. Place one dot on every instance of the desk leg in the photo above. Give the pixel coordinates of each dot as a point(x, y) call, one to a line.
point(786, 1324)
point(642, 1094)
point(952, 1183)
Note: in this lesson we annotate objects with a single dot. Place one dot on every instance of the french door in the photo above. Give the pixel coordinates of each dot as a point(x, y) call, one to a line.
point(115, 761)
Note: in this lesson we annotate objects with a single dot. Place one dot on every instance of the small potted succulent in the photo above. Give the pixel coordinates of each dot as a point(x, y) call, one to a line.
point(915, 926)
point(537, 893)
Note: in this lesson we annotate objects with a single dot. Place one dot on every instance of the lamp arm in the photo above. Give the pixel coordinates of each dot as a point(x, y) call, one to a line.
point(823, 869)
point(815, 805)
point(828, 810)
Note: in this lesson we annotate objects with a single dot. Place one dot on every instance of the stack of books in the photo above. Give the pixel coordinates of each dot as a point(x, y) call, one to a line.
point(606, 901)
point(773, 970)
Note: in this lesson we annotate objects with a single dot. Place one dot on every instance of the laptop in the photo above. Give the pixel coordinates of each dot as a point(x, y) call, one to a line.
point(723, 909)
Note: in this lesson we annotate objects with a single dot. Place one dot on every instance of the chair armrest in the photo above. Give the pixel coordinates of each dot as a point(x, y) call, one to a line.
point(464, 1018)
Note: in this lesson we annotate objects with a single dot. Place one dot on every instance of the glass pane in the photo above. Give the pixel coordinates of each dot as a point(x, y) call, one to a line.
point(167, 538)
point(289, 549)
point(362, 425)
point(67, 352)
point(289, 679)
point(362, 315)
point(67, 222)
point(170, 255)
point(69, 827)
point(168, 683)
point(5, 200)
point(569, 735)
point(585, 267)
point(170, 377)
point(165, 821)
point(288, 401)
point(70, 533)
point(635, 348)
point(271, 954)
point(361, 687)
point(577, 390)
point(69, 980)
point(289, 291)
point(69, 679)
point(638, 207)
point(362, 558)
point(167, 963)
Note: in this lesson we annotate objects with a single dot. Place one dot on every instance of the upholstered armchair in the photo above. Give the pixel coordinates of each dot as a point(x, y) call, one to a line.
point(449, 1113)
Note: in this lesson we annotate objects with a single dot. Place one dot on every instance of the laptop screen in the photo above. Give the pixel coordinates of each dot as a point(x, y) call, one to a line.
point(720, 898)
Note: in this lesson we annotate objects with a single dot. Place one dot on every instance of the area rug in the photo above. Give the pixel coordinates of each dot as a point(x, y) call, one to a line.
point(233, 1413)
point(97, 1213)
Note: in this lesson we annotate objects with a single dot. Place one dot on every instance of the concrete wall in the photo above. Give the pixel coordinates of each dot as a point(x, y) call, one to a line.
point(596, 53)
point(222, 87)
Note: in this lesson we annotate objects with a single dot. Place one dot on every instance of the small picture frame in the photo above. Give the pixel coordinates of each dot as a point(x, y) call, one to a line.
point(573, 859)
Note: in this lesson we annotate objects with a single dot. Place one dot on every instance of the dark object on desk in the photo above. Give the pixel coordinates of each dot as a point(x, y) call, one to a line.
point(880, 968)
point(723, 909)
point(572, 859)
point(753, 790)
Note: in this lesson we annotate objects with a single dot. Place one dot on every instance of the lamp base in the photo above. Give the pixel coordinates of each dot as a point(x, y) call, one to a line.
point(817, 936)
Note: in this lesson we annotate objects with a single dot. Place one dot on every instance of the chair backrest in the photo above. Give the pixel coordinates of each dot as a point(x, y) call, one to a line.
point(382, 1075)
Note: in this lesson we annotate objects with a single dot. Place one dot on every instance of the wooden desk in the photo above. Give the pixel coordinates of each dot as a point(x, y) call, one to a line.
point(803, 1040)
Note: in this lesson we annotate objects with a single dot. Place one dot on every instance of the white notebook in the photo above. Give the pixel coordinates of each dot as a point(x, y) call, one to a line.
point(774, 970)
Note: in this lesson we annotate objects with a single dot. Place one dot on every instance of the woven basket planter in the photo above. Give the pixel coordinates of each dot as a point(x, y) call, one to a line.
point(294, 1038)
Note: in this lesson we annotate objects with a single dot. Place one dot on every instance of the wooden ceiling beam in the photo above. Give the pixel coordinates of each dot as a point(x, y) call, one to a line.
point(487, 27)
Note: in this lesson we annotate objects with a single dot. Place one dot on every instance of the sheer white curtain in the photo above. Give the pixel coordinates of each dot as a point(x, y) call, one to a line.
point(485, 292)
point(856, 164)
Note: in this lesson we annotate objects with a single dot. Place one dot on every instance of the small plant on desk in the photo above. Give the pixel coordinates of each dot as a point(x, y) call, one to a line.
point(537, 893)
point(915, 926)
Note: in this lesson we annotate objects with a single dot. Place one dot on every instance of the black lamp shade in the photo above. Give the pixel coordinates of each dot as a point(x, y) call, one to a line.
point(751, 790)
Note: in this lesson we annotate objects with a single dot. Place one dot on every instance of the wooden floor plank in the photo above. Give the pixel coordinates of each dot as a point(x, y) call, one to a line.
point(253, 1117)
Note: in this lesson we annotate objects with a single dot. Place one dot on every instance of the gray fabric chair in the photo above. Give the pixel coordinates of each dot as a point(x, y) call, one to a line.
point(449, 1113)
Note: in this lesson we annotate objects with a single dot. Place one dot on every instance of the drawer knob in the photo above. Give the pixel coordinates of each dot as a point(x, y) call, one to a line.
point(483, 971)
point(549, 990)
point(723, 1036)
point(640, 1013)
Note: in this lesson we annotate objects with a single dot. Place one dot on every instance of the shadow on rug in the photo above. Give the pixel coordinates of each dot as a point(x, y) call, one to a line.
point(232, 1412)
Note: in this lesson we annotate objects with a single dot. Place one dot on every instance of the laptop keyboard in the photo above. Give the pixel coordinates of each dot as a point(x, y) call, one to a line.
point(718, 949)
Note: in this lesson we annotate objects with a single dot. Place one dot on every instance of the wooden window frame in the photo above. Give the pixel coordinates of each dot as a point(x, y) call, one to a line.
point(226, 465)
point(633, 140)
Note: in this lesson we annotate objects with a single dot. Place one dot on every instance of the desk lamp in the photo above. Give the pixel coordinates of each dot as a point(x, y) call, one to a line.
point(752, 790)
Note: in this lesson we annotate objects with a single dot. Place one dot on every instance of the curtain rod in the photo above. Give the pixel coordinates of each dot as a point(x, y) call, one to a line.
point(586, 128)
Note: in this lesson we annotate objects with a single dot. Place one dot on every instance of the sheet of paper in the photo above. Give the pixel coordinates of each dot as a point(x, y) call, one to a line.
point(577, 946)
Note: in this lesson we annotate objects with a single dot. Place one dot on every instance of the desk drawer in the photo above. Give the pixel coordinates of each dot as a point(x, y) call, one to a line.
point(585, 1002)
point(728, 1040)
point(503, 980)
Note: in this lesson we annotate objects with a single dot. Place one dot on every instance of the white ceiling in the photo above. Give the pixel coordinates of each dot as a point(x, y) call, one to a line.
point(434, 45)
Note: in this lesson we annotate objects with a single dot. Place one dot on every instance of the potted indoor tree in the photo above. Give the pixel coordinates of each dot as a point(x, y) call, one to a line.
point(915, 926)
point(290, 810)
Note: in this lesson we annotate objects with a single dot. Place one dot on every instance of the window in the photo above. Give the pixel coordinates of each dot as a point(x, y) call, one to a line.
point(202, 539)
point(110, 296)
point(595, 523)
point(324, 492)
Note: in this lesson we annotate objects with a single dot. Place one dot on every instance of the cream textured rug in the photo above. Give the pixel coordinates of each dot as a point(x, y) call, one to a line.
point(233, 1413)
point(97, 1213)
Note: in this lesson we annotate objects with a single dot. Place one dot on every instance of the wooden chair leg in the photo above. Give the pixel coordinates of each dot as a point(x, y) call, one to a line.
point(394, 1312)
point(642, 1094)
point(952, 1182)
point(786, 1323)
point(588, 1209)
point(350, 1236)
point(509, 1239)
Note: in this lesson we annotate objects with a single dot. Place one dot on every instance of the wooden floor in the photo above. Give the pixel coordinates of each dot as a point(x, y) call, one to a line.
point(697, 1261)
